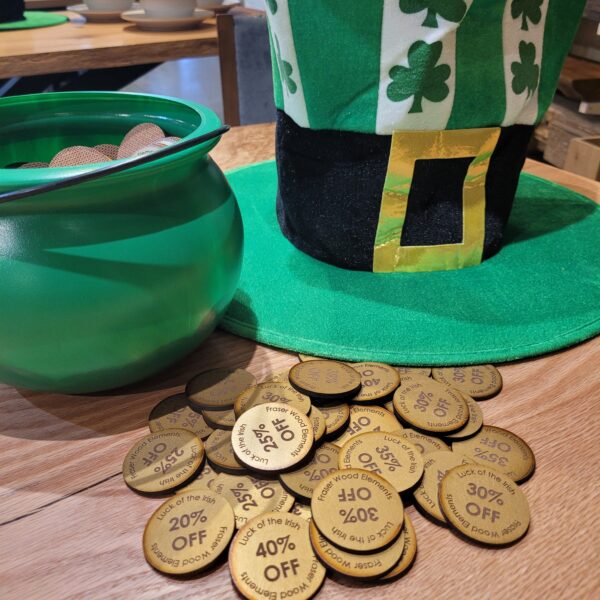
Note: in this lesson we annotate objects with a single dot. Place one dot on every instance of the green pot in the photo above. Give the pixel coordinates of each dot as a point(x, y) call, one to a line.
point(109, 281)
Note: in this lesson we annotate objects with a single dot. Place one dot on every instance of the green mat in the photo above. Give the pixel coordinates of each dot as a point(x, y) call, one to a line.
point(541, 292)
point(35, 19)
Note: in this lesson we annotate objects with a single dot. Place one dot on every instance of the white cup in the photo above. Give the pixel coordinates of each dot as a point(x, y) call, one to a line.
point(168, 9)
point(109, 5)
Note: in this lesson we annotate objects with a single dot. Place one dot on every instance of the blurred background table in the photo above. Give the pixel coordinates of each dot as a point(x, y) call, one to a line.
point(37, 4)
point(70, 528)
point(77, 45)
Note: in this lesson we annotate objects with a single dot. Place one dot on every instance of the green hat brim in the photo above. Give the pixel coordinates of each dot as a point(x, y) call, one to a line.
point(35, 19)
point(540, 293)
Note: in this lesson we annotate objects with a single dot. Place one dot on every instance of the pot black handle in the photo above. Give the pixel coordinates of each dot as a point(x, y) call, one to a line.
point(110, 169)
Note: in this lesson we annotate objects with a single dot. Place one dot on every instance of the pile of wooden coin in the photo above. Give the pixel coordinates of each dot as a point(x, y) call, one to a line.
point(309, 471)
point(143, 139)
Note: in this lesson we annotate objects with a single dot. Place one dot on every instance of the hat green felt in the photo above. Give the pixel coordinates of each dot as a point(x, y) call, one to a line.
point(34, 19)
point(540, 293)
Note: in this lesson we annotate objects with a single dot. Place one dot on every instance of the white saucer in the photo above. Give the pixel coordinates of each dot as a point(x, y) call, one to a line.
point(143, 21)
point(99, 16)
point(220, 8)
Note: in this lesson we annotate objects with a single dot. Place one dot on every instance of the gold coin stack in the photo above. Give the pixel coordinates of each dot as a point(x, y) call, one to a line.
point(310, 470)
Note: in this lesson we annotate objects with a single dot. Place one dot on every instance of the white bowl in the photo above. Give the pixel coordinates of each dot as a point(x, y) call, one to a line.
point(108, 5)
point(168, 9)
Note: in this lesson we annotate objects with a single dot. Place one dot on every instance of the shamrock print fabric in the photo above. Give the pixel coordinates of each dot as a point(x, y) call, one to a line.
point(388, 65)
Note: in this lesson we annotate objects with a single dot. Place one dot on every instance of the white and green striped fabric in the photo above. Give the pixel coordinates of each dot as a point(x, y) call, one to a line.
point(387, 65)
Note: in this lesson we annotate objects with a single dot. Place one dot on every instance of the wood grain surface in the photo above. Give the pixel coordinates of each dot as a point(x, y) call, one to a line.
point(78, 44)
point(70, 529)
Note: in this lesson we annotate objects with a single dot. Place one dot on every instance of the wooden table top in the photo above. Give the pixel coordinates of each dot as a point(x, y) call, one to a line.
point(70, 528)
point(78, 44)
point(38, 4)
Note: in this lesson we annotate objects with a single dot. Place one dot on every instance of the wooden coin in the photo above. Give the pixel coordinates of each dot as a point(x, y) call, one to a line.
point(480, 381)
point(404, 371)
point(325, 379)
point(174, 412)
point(408, 552)
point(219, 452)
point(337, 417)
point(368, 418)
point(387, 454)
point(203, 481)
point(484, 504)
point(271, 557)
point(474, 424)
point(271, 392)
point(138, 137)
point(272, 437)
point(501, 449)
point(278, 377)
point(317, 418)
point(424, 443)
point(248, 500)
point(110, 150)
point(357, 510)
point(431, 406)
point(188, 532)
point(302, 482)
point(217, 389)
point(302, 510)
point(162, 461)
point(357, 566)
point(378, 380)
point(219, 419)
point(75, 156)
point(435, 467)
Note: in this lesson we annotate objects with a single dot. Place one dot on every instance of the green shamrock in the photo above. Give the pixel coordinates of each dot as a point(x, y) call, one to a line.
point(451, 10)
point(285, 70)
point(525, 73)
point(421, 79)
point(272, 6)
point(527, 9)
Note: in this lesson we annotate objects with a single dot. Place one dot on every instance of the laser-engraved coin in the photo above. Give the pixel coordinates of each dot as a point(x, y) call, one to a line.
point(302, 510)
point(378, 381)
point(403, 371)
point(474, 424)
point(219, 452)
point(317, 418)
point(357, 510)
point(337, 417)
point(271, 392)
point(278, 377)
point(368, 418)
point(387, 454)
point(302, 482)
point(249, 500)
point(325, 379)
point(436, 466)
point(174, 413)
point(188, 532)
point(431, 406)
point(203, 480)
point(479, 381)
point(424, 443)
point(408, 553)
point(217, 389)
point(500, 449)
point(138, 137)
point(162, 461)
point(484, 504)
point(358, 566)
point(272, 437)
point(219, 419)
point(271, 557)
point(305, 357)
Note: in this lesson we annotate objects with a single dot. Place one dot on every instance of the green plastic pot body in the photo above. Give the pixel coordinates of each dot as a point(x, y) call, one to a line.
point(108, 282)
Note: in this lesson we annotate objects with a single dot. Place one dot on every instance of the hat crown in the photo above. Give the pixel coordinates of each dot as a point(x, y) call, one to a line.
point(11, 11)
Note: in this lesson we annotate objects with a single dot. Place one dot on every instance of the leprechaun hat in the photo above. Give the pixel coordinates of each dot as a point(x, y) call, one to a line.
point(14, 16)
point(402, 129)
